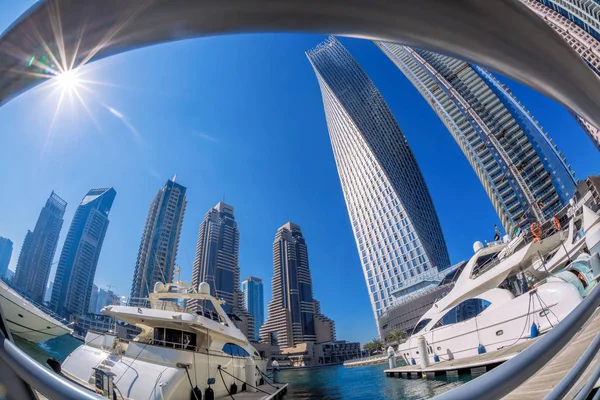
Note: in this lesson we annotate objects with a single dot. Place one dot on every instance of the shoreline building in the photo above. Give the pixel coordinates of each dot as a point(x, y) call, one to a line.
point(395, 225)
point(160, 241)
point(576, 23)
point(294, 315)
point(6, 248)
point(252, 288)
point(216, 263)
point(39, 247)
point(525, 176)
point(79, 257)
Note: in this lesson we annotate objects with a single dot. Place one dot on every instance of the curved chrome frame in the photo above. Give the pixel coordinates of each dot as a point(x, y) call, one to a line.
point(501, 34)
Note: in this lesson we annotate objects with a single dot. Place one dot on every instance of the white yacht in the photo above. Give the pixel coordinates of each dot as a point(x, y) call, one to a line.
point(26, 320)
point(509, 292)
point(177, 352)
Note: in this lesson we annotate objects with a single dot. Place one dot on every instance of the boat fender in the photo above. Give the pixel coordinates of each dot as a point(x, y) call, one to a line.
point(261, 382)
point(535, 332)
point(243, 387)
point(436, 358)
point(412, 361)
point(209, 394)
point(196, 394)
point(54, 364)
point(481, 349)
point(233, 388)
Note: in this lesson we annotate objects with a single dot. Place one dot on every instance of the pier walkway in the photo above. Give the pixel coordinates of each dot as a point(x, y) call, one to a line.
point(540, 384)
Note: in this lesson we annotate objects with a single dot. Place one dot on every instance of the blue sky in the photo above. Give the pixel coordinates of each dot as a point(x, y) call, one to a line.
point(238, 118)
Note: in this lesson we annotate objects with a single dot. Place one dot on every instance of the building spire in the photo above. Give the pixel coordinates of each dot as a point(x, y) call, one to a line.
point(174, 177)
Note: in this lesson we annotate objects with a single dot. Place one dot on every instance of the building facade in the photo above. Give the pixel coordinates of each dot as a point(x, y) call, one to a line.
point(525, 176)
point(93, 300)
point(80, 253)
point(395, 225)
point(252, 288)
point(39, 247)
point(160, 241)
point(6, 248)
point(216, 263)
point(578, 22)
point(293, 312)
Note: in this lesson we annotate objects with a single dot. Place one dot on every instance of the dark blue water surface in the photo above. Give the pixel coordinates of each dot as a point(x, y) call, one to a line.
point(360, 383)
point(326, 383)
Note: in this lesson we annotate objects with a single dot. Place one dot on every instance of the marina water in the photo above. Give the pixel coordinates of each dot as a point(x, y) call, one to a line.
point(326, 383)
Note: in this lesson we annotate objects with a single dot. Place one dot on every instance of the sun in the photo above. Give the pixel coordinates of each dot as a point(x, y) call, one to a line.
point(68, 80)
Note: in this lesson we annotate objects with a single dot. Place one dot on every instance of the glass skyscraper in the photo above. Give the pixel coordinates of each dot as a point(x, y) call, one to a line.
point(293, 312)
point(79, 257)
point(160, 240)
point(216, 263)
point(252, 288)
point(523, 173)
point(39, 247)
point(6, 248)
point(581, 36)
point(396, 228)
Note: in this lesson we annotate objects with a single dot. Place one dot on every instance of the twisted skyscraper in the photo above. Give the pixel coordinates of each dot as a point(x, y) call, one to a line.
point(160, 240)
point(523, 173)
point(395, 224)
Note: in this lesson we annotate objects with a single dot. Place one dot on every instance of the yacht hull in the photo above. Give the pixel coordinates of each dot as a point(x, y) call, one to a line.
point(498, 327)
point(145, 371)
point(27, 321)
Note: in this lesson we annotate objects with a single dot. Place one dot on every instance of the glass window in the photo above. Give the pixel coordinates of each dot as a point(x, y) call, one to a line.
point(234, 350)
point(421, 325)
point(463, 312)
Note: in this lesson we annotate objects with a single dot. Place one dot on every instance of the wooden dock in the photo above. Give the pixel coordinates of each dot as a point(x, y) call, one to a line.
point(474, 365)
point(539, 385)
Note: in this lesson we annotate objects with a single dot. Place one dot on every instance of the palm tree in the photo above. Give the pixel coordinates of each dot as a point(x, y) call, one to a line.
point(378, 344)
point(396, 336)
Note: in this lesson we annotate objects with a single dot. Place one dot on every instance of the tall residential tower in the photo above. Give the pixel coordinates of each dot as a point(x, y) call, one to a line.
point(395, 224)
point(525, 176)
point(216, 263)
point(578, 22)
point(160, 240)
point(252, 288)
point(37, 252)
point(293, 312)
point(79, 257)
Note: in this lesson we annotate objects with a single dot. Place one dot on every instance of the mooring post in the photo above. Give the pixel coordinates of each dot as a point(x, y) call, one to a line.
point(422, 346)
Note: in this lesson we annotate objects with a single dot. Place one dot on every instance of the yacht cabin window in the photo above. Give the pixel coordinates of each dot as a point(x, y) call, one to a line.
point(463, 312)
point(421, 325)
point(234, 350)
point(174, 338)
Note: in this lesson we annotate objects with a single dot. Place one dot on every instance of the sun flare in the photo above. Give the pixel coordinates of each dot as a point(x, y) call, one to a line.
point(68, 80)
